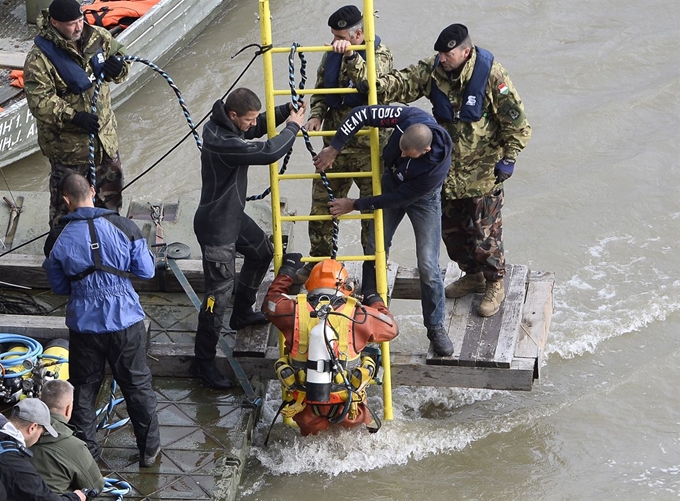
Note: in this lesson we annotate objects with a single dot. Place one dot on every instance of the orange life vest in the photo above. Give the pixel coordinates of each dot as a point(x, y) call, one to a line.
point(111, 13)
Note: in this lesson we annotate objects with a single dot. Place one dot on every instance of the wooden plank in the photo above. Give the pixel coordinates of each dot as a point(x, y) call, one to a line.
point(472, 336)
point(40, 327)
point(13, 60)
point(490, 328)
point(412, 370)
point(536, 319)
point(173, 360)
point(455, 320)
point(512, 315)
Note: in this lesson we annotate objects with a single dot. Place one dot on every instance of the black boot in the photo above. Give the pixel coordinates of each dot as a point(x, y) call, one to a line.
point(243, 314)
point(441, 344)
point(207, 370)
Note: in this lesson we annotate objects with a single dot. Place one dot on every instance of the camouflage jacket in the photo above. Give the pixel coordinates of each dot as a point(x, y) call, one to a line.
point(333, 117)
point(503, 130)
point(54, 106)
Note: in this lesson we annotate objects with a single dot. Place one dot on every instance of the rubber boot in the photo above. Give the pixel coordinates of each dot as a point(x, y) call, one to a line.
point(243, 314)
point(441, 344)
point(207, 370)
point(494, 296)
point(470, 282)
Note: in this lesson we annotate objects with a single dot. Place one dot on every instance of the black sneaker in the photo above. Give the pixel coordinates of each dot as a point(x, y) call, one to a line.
point(441, 344)
point(207, 370)
point(240, 320)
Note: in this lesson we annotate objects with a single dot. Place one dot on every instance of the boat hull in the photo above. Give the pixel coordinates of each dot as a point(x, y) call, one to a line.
point(157, 37)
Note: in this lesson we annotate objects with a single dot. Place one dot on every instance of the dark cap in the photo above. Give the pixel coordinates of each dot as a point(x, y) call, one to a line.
point(450, 38)
point(34, 410)
point(344, 18)
point(65, 10)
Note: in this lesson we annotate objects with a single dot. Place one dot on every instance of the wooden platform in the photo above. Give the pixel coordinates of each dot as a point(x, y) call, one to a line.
point(503, 352)
point(500, 352)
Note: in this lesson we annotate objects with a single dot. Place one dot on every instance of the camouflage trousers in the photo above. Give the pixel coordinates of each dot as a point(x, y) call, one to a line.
point(321, 232)
point(109, 174)
point(472, 230)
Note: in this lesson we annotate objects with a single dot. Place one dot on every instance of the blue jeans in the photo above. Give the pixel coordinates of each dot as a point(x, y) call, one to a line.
point(425, 216)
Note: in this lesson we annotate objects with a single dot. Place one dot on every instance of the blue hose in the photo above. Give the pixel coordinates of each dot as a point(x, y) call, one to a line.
point(34, 348)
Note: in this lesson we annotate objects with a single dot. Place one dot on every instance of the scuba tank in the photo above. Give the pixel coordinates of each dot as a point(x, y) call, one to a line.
point(55, 358)
point(319, 367)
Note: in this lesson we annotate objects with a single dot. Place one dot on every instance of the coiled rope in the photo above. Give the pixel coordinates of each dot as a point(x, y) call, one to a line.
point(171, 83)
point(116, 488)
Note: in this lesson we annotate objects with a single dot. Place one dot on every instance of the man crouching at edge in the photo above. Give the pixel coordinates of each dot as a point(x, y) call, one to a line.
point(221, 226)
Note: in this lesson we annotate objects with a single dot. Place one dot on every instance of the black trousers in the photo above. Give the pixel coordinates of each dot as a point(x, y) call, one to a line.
point(219, 270)
point(125, 352)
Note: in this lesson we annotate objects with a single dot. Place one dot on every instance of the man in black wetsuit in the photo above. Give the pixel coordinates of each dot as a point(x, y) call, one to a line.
point(221, 226)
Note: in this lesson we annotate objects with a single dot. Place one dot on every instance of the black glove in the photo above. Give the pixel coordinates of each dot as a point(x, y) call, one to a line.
point(362, 87)
point(291, 263)
point(113, 67)
point(503, 170)
point(87, 121)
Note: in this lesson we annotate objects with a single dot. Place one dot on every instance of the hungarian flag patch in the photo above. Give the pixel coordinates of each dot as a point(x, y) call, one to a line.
point(503, 88)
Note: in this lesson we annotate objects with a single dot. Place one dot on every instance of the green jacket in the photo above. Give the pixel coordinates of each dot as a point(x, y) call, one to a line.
point(64, 462)
point(332, 118)
point(53, 106)
point(503, 130)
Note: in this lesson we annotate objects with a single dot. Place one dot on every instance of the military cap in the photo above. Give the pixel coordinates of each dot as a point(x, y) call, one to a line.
point(65, 10)
point(344, 18)
point(450, 37)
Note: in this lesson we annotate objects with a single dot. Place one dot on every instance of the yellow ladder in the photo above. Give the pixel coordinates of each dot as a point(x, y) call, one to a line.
point(277, 219)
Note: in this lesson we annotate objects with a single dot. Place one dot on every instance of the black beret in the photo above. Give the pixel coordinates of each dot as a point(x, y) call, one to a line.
point(450, 38)
point(65, 10)
point(344, 18)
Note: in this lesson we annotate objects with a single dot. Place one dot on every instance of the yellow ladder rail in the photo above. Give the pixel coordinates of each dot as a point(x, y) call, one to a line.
point(380, 256)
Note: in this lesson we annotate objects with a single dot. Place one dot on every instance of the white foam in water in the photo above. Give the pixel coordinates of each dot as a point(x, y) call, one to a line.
point(427, 422)
point(617, 292)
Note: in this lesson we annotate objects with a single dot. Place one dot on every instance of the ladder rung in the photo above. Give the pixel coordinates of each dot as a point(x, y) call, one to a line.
point(313, 48)
point(336, 90)
point(329, 175)
point(325, 217)
point(330, 133)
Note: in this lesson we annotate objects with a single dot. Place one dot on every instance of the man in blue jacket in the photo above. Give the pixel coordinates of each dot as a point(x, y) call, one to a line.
point(91, 256)
point(221, 225)
point(417, 159)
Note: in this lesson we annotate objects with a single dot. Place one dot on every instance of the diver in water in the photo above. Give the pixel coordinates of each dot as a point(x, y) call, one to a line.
point(323, 371)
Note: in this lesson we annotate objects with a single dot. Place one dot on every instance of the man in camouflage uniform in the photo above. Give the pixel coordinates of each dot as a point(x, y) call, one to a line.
point(59, 72)
point(331, 109)
point(474, 99)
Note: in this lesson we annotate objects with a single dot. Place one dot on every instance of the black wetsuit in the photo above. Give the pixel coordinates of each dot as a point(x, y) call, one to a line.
point(220, 224)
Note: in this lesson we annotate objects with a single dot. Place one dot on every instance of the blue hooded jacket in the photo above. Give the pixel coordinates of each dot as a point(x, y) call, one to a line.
point(101, 301)
point(413, 178)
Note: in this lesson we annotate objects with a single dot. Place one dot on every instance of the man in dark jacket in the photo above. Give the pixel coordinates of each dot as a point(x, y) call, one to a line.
point(64, 461)
point(221, 226)
point(69, 55)
point(417, 159)
point(91, 256)
point(30, 418)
